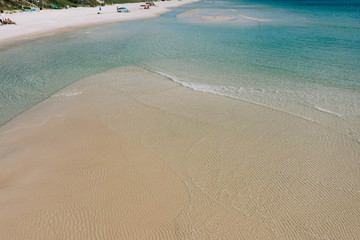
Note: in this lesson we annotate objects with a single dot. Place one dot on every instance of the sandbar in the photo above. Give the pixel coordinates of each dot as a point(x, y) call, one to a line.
point(129, 154)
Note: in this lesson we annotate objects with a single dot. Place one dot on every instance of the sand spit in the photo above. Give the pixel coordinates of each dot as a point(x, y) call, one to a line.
point(73, 178)
point(133, 155)
point(36, 24)
point(214, 16)
point(217, 18)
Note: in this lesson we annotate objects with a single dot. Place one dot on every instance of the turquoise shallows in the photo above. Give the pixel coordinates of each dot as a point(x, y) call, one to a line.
point(300, 57)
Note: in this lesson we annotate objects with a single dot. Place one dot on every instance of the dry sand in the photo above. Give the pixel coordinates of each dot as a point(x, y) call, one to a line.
point(128, 154)
point(46, 22)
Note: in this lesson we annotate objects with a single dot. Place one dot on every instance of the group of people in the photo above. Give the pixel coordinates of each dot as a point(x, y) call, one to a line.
point(6, 21)
point(147, 5)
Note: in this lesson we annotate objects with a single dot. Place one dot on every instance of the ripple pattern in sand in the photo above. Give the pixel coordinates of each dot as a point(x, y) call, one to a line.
point(242, 171)
point(251, 172)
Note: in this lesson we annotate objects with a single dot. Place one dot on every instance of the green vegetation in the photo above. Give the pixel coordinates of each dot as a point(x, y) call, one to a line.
point(12, 4)
point(122, 1)
point(18, 4)
point(26, 4)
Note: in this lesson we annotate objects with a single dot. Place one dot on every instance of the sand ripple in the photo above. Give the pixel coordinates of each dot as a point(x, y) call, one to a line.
point(140, 157)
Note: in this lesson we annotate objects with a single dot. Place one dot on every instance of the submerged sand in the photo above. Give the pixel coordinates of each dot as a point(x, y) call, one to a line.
point(128, 154)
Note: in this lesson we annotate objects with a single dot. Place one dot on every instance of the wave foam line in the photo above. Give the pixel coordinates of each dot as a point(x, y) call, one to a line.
point(233, 92)
point(67, 94)
point(229, 91)
point(250, 18)
point(216, 90)
point(327, 111)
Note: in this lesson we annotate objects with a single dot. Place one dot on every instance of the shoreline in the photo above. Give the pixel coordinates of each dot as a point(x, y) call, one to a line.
point(132, 153)
point(115, 145)
point(50, 22)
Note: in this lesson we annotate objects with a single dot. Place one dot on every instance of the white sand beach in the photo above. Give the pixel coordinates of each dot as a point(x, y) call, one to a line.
point(46, 22)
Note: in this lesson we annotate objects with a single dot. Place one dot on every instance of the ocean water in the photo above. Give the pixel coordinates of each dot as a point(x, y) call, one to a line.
point(298, 57)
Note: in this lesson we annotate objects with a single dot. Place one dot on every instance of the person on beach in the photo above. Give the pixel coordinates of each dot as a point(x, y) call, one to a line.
point(99, 10)
point(2, 18)
point(8, 21)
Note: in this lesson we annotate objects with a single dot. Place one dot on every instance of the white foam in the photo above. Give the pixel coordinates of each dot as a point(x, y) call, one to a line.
point(67, 94)
point(227, 91)
point(327, 111)
point(245, 94)
point(235, 93)
point(250, 18)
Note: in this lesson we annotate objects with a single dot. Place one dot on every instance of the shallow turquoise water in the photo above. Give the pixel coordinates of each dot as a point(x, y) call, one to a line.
point(300, 57)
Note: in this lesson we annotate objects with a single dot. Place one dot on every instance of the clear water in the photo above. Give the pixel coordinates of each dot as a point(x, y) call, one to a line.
point(299, 57)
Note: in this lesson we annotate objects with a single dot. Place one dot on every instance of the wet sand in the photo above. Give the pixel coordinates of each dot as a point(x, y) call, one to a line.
point(129, 154)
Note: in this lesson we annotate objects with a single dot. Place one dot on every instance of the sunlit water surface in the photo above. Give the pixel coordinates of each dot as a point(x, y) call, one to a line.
point(299, 57)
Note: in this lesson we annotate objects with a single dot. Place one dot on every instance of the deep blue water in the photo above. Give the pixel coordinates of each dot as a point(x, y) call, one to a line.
point(300, 57)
